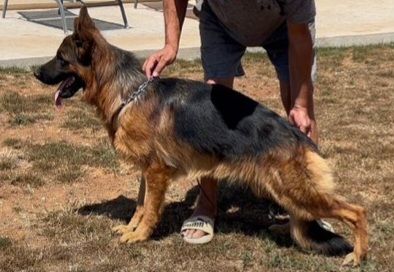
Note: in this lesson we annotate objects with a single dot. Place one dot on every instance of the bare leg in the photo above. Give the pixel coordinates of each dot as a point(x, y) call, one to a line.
point(285, 96)
point(207, 199)
point(228, 82)
point(206, 205)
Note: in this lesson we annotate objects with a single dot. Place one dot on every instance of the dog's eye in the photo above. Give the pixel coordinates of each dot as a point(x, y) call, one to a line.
point(78, 43)
point(63, 62)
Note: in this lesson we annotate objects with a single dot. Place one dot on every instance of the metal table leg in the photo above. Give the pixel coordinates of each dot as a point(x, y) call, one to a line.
point(126, 24)
point(5, 7)
point(61, 8)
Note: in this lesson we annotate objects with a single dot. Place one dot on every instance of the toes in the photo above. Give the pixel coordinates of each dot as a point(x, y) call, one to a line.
point(348, 259)
point(132, 237)
point(193, 234)
point(351, 259)
point(198, 234)
point(126, 237)
point(120, 229)
point(188, 233)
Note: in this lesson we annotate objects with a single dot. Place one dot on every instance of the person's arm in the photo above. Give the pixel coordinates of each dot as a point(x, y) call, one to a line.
point(301, 86)
point(174, 15)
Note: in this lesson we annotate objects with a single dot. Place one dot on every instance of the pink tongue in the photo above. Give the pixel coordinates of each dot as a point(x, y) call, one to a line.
point(58, 100)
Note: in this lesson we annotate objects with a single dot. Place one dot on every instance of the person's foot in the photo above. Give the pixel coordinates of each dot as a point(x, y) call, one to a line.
point(203, 225)
point(197, 8)
point(206, 208)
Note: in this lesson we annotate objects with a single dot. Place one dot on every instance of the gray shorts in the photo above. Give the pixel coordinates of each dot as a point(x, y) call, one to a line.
point(221, 54)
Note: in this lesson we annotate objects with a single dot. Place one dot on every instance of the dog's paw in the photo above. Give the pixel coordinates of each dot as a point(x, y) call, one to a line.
point(132, 226)
point(351, 260)
point(121, 229)
point(133, 237)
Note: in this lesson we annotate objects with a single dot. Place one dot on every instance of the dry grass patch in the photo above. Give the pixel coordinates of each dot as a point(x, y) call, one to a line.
point(24, 110)
point(82, 119)
point(354, 97)
point(55, 161)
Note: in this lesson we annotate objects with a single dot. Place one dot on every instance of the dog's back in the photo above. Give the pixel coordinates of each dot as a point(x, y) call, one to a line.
point(222, 122)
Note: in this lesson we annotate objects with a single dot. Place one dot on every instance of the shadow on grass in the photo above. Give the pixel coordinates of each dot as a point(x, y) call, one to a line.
point(239, 212)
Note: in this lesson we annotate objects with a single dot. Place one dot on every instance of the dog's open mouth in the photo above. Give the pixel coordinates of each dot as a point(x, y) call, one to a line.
point(67, 88)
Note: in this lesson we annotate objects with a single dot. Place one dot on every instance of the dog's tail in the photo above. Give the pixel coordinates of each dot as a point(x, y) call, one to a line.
point(310, 235)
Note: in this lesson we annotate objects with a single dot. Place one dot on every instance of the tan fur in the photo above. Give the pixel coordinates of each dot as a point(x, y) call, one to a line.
point(299, 180)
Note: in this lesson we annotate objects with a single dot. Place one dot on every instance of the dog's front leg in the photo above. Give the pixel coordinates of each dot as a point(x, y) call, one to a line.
point(157, 177)
point(139, 211)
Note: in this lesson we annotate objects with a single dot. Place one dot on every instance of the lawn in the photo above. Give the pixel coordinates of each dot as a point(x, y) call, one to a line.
point(62, 187)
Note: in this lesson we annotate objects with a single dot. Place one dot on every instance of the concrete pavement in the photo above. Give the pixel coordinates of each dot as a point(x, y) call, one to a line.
point(338, 23)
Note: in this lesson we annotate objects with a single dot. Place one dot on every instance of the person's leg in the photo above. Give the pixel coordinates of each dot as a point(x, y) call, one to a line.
point(220, 56)
point(207, 199)
point(206, 206)
point(277, 50)
point(285, 95)
point(228, 82)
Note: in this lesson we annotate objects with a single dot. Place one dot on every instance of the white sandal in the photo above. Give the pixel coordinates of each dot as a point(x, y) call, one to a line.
point(202, 223)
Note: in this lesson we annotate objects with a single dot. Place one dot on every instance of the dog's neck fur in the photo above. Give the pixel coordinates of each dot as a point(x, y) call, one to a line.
point(107, 89)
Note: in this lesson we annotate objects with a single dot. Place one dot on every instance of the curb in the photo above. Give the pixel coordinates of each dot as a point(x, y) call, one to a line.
point(356, 40)
point(184, 54)
point(194, 52)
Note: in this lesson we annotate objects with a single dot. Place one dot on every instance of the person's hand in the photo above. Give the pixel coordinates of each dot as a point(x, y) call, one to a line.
point(300, 118)
point(156, 63)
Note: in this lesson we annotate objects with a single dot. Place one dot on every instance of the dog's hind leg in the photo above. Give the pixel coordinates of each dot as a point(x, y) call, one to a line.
point(139, 211)
point(304, 188)
point(308, 234)
point(157, 178)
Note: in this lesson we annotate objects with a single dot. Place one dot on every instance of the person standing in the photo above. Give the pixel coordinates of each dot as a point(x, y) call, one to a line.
point(284, 28)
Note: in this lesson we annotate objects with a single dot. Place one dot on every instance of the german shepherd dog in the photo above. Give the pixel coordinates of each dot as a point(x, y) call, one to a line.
point(174, 128)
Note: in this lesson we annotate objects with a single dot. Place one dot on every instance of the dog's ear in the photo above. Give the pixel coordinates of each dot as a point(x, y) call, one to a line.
point(84, 26)
point(84, 33)
point(83, 23)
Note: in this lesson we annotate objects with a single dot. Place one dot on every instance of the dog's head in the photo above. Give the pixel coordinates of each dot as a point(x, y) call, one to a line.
point(72, 63)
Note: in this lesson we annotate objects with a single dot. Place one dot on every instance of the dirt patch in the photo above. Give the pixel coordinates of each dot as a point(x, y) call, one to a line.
point(53, 222)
